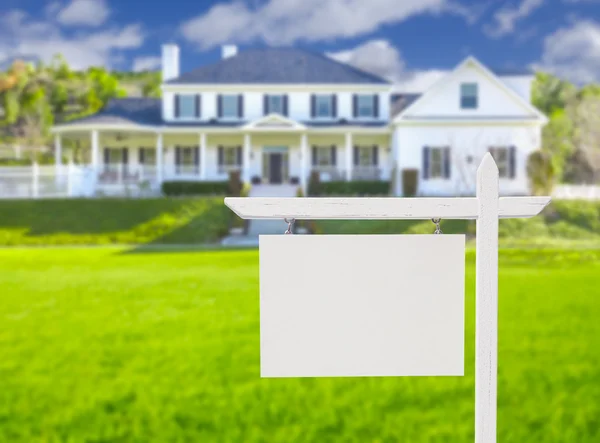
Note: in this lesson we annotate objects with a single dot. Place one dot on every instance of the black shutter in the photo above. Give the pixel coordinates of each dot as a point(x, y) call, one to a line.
point(356, 159)
point(141, 156)
point(333, 155)
point(313, 106)
point(376, 106)
point(220, 155)
point(354, 105)
point(219, 106)
point(239, 156)
point(512, 162)
point(314, 156)
point(334, 106)
point(375, 155)
point(266, 104)
point(124, 155)
point(177, 159)
point(198, 105)
point(241, 105)
point(447, 159)
point(426, 162)
point(285, 105)
point(176, 105)
point(106, 156)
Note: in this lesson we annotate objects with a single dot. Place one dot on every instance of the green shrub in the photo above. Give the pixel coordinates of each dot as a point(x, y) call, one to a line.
point(181, 188)
point(375, 187)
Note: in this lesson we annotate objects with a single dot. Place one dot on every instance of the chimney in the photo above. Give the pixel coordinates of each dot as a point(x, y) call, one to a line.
point(228, 51)
point(170, 62)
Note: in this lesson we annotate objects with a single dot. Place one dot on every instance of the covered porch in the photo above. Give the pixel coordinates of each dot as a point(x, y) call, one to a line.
point(120, 158)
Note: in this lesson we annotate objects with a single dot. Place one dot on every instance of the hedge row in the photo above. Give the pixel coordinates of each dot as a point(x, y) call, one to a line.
point(187, 188)
point(375, 187)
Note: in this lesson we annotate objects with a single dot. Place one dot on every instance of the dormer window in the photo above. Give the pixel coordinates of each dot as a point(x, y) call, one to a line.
point(323, 106)
point(366, 106)
point(468, 96)
point(230, 106)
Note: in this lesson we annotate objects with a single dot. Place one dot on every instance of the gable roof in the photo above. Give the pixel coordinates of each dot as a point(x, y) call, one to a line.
point(278, 66)
point(537, 114)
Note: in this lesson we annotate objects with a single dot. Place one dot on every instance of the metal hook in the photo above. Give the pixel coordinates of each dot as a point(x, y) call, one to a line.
point(437, 225)
point(290, 223)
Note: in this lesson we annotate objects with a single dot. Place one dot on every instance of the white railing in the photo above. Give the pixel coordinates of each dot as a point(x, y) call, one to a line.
point(44, 181)
point(577, 192)
point(123, 174)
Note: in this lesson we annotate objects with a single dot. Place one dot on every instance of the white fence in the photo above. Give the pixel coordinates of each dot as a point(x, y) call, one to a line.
point(576, 192)
point(45, 182)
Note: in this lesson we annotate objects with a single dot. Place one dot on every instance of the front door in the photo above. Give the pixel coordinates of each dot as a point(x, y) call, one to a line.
point(276, 168)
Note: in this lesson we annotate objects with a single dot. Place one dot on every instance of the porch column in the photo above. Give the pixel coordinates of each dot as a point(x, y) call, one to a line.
point(95, 150)
point(349, 156)
point(57, 154)
point(246, 160)
point(203, 156)
point(303, 162)
point(159, 158)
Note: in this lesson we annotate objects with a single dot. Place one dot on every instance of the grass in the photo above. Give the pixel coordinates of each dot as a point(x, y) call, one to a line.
point(113, 221)
point(117, 345)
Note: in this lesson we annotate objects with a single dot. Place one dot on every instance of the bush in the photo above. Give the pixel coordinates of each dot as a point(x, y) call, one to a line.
point(375, 187)
point(235, 184)
point(181, 188)
point(541, 173)
point(410, 179)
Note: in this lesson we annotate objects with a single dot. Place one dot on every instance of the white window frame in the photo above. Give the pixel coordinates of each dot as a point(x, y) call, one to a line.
point(365, 97)
point(229, 153)
point(501, 155)
point(323, 153)
point(190, 99)
point(439, 174)
point(463, 95)
point(329, 99)
point(363, 153)
point(270, 106)
point(236, 100)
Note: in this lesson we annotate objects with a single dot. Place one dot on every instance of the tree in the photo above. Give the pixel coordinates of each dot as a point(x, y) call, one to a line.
point(151, 87)
point(549, 93)
point(585, 114)
point(540, 171)
point(557, 140)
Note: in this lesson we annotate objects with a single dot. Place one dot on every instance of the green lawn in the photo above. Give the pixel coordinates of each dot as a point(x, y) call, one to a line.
point(113, 221)
point(116, 345)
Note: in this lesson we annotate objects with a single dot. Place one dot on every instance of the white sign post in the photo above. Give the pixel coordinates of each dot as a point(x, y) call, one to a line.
point(290, 348)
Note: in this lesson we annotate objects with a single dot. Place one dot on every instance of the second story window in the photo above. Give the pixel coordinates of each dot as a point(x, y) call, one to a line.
point(365, 106)
point(468, 96)
point(230, 106)
point(323, 106)
point(275, 104)
point(187, 106)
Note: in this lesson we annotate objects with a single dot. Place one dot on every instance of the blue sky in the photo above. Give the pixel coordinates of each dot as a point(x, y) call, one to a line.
point(410, 41)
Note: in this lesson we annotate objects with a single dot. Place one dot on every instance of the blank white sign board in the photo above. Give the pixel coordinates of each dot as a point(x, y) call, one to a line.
point(361, 305)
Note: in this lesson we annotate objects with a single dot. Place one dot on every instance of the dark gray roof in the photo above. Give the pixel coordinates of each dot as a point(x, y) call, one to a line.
point(132, 111)
point(278, 66)
point(402, 101)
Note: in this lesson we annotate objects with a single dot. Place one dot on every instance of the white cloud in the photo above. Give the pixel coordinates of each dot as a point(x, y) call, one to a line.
point(507, 17)
point(148, 63)
point(82, 13)
point(20, 36)
point(380, 57)
point(573, 52)
point(283, 22)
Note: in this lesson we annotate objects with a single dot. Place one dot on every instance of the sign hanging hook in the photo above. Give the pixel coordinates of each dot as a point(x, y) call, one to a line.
point(437, 225)
point(290, 223)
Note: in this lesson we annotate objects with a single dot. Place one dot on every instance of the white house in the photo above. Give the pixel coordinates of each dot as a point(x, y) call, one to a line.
point(279, 114)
